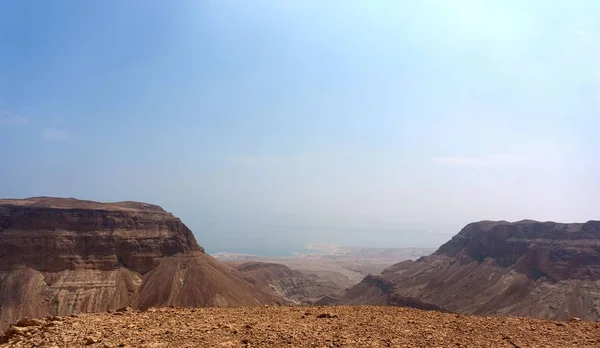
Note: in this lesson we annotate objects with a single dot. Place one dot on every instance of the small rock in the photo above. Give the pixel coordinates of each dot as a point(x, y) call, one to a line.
point(12, 332)
point(26, 322)
point(91, 340)
point(326, 315)
point(16, 330)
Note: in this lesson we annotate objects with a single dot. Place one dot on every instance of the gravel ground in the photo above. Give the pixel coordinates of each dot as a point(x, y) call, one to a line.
point(301, 326)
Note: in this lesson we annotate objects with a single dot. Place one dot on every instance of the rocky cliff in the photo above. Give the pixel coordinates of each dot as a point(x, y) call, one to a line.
point(61, 256)
point(527, 268)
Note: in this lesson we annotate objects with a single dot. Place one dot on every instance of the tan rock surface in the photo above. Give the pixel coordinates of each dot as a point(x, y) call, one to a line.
point(297, 327)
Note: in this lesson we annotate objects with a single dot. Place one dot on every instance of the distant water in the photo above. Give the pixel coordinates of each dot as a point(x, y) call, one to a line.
point(276, 241)
point(260, 251)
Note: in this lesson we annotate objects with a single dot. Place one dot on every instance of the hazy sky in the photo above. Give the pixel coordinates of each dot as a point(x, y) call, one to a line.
point(325, 121)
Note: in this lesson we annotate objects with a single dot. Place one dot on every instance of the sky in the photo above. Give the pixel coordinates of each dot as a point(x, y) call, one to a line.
point(271, 124)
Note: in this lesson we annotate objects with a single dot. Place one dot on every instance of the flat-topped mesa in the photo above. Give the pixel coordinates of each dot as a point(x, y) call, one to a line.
point(55, 234)
point(538, 249)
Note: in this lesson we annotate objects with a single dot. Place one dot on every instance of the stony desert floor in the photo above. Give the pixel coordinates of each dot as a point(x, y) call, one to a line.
point(296, 327)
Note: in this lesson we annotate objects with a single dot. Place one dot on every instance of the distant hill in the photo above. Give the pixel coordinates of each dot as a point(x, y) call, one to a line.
point(291, 286)
point(540, 269)
point(342, 265)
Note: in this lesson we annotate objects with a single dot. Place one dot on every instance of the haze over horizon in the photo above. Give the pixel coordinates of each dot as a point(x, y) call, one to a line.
point(270, 124)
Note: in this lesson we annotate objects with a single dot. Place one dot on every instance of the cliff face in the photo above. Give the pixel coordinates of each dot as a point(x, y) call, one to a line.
point(551, 250)
point(59, 256)
point(56, 239)
point(546, 270)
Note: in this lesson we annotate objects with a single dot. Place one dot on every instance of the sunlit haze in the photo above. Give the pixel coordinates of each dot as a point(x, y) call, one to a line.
point(265, 125)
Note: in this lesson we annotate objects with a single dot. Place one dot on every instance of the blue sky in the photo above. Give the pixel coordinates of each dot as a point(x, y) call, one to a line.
point(351, 122)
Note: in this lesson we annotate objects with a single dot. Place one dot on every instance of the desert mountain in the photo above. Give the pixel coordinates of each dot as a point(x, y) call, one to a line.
point(291, 286)
point(539, 269)
point(61, 256)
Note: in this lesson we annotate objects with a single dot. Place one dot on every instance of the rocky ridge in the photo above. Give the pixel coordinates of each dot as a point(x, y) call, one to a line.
point(540, 269)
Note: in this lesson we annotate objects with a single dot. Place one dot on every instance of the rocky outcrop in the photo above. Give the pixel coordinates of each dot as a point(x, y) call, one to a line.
point(62, 256)
point(291, 286)
point(527, 268)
